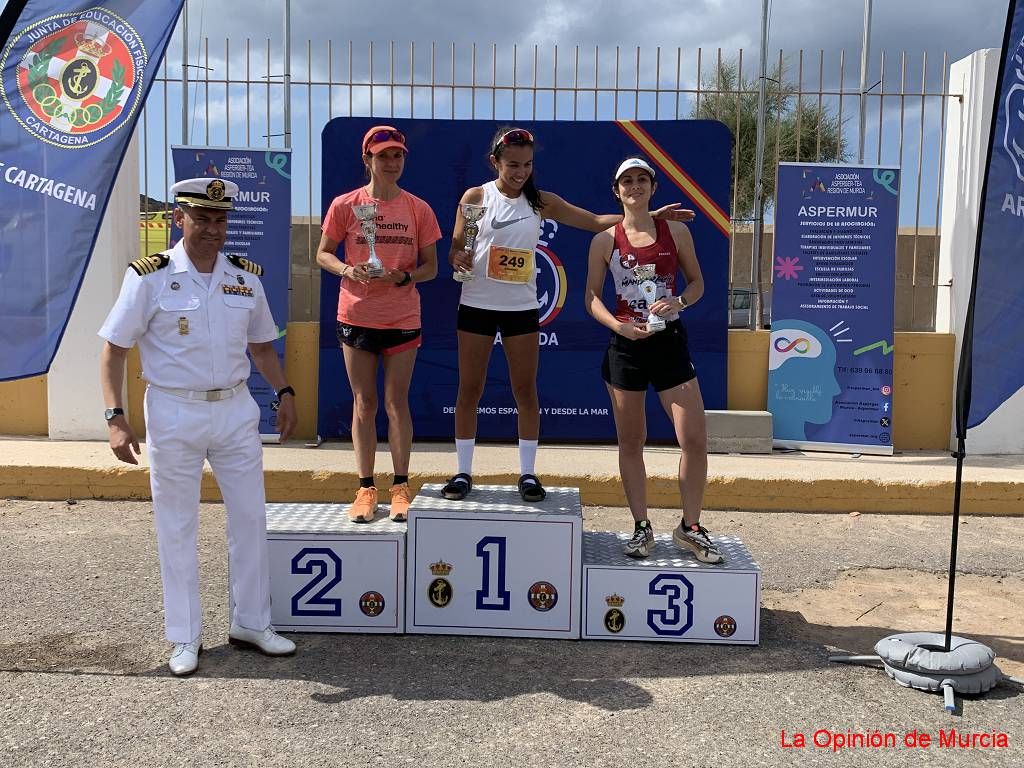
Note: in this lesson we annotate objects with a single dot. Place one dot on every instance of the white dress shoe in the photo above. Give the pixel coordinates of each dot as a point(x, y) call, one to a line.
point(264, 640)
point(185, 657)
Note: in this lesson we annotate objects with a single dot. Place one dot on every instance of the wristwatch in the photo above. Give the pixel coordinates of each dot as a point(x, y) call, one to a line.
point(110, 413)
point(405, 280)
point(284, 391)
point(683, 303)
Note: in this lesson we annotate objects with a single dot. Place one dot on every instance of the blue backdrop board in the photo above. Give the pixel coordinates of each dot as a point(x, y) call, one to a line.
point(831, 348)
point(259, 228)
point(73, 79)
point(575, 160)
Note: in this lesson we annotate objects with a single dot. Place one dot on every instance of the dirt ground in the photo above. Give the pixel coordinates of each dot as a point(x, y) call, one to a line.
point(83, 677)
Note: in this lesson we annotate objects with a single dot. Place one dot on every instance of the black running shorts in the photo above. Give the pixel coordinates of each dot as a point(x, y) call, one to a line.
point(662, 360)
point(487, 322)
point(379, 341)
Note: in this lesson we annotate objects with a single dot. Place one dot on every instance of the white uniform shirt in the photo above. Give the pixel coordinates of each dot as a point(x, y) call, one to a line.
point(191, 335)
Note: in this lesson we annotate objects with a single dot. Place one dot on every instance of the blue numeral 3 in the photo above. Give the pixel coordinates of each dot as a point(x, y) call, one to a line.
point(677, 617)
point(326, 565)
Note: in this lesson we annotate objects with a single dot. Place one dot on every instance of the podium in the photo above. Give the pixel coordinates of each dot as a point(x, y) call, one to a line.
point(328, 574)
point(670, 596)
point(492, 564)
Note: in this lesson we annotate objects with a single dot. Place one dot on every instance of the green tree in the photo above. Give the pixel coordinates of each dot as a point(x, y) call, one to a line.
point(791, 122)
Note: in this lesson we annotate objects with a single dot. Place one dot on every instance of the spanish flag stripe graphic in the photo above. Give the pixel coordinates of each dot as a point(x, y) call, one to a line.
point(678, 176)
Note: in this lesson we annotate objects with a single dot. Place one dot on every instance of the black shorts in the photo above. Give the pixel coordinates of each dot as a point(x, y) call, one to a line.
point(379, 341)
point(662, 361)
point(487, 322)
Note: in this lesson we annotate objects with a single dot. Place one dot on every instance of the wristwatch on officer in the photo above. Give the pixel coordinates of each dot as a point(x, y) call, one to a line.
point(683, 303)
point(405, 280)
point(112, 413)
point(284, 391)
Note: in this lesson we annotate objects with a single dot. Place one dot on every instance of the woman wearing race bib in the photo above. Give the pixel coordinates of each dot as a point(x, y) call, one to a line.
point(379, 315)
point(639, 357)
point(501, 296)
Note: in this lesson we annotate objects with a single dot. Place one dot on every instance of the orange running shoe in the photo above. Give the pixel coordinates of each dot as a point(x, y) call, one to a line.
point(401, 498)
point(364, 507)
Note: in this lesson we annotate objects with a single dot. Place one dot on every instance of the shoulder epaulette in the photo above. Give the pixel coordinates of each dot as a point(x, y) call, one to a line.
point(243, 263)
point(147, 265)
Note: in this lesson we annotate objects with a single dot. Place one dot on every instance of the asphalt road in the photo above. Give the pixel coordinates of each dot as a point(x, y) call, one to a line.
point(83, 679)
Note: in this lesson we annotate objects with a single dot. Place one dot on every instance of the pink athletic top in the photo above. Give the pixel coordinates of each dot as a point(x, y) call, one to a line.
point(404, 226)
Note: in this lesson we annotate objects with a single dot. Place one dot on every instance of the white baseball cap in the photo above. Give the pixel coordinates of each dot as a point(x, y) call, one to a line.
point(634, 162)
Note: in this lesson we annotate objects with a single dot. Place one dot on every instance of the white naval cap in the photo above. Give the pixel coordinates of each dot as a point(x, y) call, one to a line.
point(205, 192)
point(634, 162)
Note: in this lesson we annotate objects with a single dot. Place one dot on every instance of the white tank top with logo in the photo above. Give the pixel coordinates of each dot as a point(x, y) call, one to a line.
point(504, 269)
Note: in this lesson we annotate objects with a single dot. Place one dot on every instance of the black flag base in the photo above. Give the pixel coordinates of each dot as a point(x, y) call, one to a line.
point(933, 661)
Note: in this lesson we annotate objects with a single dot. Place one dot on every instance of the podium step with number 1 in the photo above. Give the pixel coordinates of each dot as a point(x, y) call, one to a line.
point(492, 564)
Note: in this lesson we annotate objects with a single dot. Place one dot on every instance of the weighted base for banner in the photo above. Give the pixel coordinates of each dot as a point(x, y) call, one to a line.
point(670, 596)
point(493, 564)
point(328, 574)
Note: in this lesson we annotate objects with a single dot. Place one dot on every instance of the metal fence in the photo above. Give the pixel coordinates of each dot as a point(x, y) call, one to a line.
point(235, 94)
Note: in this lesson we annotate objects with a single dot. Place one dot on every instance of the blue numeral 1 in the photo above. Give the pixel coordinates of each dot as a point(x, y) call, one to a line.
point(327, 565)
point(671, 620)
point(491, 549)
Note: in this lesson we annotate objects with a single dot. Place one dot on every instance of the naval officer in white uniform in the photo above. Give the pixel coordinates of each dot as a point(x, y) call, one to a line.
point(194, 312)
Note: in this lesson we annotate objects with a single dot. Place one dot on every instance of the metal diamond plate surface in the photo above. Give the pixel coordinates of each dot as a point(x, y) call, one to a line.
point(605, 548)
point(498, 498)
point(325, 518)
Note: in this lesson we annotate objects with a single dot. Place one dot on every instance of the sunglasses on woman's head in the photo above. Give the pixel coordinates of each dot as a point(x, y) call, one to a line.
point(515, 136)
point(378, 137)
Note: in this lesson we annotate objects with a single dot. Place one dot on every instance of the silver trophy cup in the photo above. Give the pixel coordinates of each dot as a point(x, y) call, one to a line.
point(367, 215)
point(647, 274)
point(472, 214)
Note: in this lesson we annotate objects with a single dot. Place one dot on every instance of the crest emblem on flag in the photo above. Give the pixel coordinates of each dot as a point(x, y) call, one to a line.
point(77, 79)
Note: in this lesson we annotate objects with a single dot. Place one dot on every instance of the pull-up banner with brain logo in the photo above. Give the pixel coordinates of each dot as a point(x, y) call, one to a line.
point(831, 347)
point(73, 79)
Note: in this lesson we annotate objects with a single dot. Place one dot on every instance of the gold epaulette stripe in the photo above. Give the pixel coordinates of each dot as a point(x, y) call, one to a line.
point(248, 266)
point(147, 265)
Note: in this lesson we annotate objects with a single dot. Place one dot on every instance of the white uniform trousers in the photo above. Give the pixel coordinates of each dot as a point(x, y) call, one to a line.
point(182, 433)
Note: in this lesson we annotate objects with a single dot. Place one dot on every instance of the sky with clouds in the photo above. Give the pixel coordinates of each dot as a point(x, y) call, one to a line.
point(916, 28)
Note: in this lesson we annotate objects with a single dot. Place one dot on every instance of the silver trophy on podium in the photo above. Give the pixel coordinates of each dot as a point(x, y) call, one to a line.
point(472, 214)
point(367, 215)
point(647, 275)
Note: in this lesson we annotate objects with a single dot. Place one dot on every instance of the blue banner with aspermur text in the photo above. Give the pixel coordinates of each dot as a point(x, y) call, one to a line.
point(992, 366)
point(259, 228)
point(831, 346)
point(73, 79)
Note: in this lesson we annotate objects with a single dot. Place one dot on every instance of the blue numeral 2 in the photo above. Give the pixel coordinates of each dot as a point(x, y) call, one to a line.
point(327, 565)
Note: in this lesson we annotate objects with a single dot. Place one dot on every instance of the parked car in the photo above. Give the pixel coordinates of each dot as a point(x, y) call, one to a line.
point(741, 302)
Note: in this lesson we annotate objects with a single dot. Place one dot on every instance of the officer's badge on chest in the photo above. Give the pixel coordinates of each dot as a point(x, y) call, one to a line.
point(237, 290)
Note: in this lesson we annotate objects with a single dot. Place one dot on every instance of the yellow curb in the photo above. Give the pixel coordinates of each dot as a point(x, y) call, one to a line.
point(723, 493)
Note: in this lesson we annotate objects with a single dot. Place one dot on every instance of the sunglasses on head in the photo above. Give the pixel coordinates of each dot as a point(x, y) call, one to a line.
point(383, 135)
point(515, 136)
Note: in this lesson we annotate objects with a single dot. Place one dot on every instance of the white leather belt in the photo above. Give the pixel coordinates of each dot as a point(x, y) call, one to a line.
point(209, 395)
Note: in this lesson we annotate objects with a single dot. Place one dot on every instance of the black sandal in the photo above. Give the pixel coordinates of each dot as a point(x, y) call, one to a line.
point(458, 487)
point(530, 489)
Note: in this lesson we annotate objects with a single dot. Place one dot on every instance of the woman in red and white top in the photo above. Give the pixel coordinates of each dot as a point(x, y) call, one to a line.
point(639, 357)
point(379, 316)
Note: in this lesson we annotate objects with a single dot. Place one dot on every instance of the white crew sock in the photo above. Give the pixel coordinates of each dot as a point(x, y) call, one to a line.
point(527, 456)
point(464, 452)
